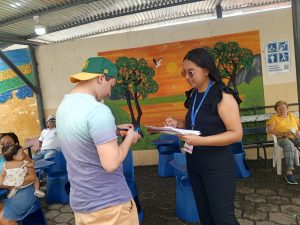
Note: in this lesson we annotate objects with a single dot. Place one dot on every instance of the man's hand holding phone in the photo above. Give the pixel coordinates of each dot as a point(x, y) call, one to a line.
point(125, 130)
point(133, 135)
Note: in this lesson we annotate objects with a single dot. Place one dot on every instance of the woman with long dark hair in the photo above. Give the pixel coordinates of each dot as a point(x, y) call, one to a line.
point(16, 208)
point(213, 110)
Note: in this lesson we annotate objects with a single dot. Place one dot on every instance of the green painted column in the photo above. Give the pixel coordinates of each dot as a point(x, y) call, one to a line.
point(296, 27)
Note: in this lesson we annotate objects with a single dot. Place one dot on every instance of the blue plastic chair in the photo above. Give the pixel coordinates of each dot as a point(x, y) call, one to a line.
point(58, 186)
point(128, 170)
point(242, 170)
point(167, 145)
point(133, 189)
point(59, 166)
point(186, 208)
point(128, 167)
point(35, 217)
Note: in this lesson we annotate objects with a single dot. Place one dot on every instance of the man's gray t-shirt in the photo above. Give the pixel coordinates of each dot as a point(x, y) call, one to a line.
point(82, 124)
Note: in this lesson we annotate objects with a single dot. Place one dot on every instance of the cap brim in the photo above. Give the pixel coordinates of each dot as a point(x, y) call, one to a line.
point(82, 76)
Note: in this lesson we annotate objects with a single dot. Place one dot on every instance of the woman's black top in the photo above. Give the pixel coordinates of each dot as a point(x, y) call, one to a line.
point(208, 121)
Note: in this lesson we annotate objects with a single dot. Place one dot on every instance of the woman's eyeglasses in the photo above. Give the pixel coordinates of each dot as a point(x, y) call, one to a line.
point(190, 74)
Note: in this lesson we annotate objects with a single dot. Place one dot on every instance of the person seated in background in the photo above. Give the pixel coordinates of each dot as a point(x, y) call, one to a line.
point(285, 125)
point(15, 170)
point(18, 207)
point(48, 141)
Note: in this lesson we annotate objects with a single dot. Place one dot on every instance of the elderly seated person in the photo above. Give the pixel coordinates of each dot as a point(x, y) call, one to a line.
point(285, 126)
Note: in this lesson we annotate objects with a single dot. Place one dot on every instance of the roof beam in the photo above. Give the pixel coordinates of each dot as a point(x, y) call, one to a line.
point(42, 11)
point(19, 41)
point(4, 45)
point(219, 11)
point(147, 6)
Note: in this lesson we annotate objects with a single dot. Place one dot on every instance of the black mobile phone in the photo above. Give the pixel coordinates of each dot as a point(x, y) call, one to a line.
point(136, 129)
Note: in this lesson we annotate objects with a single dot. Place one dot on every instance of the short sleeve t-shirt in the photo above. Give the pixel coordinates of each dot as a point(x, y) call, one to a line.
point(49, 140)
point(82, 124)
point(284, 124)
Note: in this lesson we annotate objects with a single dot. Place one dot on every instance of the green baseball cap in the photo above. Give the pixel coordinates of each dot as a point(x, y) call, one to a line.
point(94, 66)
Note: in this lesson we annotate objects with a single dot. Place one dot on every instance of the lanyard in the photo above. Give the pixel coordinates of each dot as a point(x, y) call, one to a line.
point(194, 113)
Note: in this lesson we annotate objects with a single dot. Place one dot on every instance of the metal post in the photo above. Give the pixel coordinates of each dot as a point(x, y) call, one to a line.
point(39, 97)
point(296, 27)
point(219, 11)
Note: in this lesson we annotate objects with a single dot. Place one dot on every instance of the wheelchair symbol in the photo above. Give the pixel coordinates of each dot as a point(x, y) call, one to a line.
point(272, 47)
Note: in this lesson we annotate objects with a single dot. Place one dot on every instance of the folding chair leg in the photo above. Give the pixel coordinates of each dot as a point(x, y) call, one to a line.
point(274, 158)
point(279, 162)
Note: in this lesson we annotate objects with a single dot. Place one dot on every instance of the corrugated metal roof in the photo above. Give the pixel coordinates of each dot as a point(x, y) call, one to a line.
point(69, 19)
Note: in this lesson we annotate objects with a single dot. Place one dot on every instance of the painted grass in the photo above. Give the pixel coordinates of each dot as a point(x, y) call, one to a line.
point(122, 117)
point(151, 101)
point(253, 96)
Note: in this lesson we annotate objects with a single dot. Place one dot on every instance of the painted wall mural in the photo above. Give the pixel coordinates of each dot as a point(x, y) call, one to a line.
point(164, 65)
point(17, 101)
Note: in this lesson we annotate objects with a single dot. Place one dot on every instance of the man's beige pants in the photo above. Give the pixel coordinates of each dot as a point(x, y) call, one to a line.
point(124, 214)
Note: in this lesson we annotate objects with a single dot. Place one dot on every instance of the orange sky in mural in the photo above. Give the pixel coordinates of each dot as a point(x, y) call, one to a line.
point(168, 74)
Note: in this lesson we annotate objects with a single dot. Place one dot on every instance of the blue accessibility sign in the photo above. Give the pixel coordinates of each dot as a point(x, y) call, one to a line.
point(272, 47)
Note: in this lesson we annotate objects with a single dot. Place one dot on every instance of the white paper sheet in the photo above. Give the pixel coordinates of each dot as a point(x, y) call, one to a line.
point(172, 130)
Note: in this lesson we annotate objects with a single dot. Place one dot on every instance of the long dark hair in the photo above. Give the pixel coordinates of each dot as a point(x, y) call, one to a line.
point(203, 59)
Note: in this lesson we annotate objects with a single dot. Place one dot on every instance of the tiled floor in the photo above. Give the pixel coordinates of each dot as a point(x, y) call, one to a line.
point(263, 199)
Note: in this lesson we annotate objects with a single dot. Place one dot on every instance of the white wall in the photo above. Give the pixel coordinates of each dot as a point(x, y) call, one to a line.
point(58, 61)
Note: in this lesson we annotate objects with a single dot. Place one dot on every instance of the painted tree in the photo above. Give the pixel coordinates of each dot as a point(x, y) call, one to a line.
point(230, 58)
point(135, 81)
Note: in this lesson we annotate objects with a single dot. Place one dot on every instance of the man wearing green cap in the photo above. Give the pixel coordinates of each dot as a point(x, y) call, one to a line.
point(87, 135)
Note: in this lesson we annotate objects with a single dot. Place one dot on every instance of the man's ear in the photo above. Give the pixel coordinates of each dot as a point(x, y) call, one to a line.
point(100, 78)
